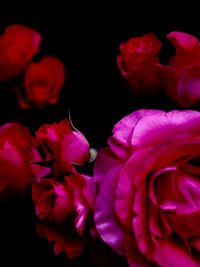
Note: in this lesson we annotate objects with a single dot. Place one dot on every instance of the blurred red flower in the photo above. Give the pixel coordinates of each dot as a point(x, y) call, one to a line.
point(138, 63)
point(18, 45)
point(17, 148)
point(42, 83)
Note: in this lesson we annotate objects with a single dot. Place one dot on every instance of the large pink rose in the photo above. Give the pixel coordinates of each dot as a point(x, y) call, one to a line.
point(138, 63)
point(65, 208)
point(17, 149)
point(148, 206)
point(181, 79)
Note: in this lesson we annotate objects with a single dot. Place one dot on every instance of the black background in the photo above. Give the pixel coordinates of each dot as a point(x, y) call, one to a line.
point(87, 40)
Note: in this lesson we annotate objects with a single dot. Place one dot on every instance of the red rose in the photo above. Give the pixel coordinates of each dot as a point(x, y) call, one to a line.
point(42, 83)
point(138, 63)
point(17, 147)
point(65, 209)
point(148, 204)
point(63, 144)
point(181, 79)
point(17, 47)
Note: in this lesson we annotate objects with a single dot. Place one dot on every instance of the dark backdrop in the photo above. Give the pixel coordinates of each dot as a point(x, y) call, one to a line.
point(96, 94)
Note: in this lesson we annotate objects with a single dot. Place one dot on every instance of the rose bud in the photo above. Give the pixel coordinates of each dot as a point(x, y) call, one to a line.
point(63, 144)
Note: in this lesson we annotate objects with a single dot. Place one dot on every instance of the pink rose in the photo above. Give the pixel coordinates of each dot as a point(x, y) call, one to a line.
point(63, 144)
point(17, 148)
point(181, 79)
point(65, 207)
point(148, 205)
point(42, 83)
point(138, 63)
point(18, 45)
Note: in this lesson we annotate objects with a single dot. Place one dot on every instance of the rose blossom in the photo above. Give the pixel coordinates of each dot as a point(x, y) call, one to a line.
point(63, 144)
point(42, 83)
point(65, 207)
point(148, 206)
point(17, 148)
point(138, 63)
point(181, 79)
point(18, 44)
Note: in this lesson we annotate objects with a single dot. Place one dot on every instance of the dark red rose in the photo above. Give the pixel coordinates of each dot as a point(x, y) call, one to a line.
point(18, 44)
point(62, 144)
point(138, 63)
point(42, 83)
point(17, 148)
point(60, 141)
point(65, 209)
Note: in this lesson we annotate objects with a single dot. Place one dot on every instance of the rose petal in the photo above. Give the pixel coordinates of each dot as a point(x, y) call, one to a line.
point(75, 148)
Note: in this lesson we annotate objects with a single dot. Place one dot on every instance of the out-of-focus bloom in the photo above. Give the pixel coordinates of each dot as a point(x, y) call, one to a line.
point(138, 63)
point(42, 83)
point(18, 45)
point(17, 148)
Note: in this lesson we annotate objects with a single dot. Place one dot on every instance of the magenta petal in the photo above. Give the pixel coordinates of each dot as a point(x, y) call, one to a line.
point(117, 148)
point(183, 40)
point(107, 169)
point(154, 129)
point(168, 254)
point(189, 86)
point(124, 129)
point(125, 194)
point(134, 256)
point(75, 184)
point(104, 163)
point(75, 148)
point(142, 235)
point(64, 204)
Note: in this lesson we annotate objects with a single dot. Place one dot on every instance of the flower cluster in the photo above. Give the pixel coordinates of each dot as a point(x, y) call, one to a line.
point(139, 64)
point(142, 198)
point(42, 80)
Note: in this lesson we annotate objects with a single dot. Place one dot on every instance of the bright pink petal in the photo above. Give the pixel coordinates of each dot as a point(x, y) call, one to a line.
point(123, 130)
point(187, 50)
point(154, 129)
point(168, 254)
point(183, 40)
point(106, 173)
point(75, 148)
